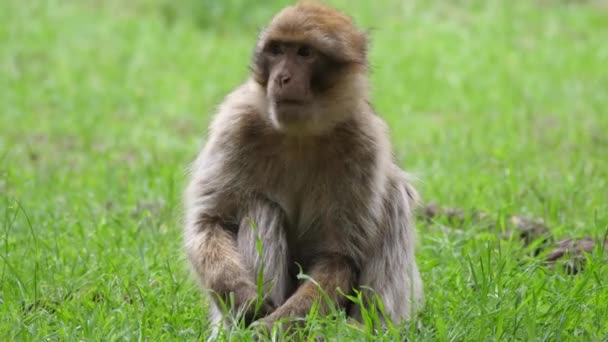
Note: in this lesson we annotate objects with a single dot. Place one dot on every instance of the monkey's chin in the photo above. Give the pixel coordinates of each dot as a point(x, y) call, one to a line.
point(294, 119)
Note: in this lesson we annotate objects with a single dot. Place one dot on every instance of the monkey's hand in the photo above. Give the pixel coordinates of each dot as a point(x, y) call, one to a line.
point(250, 305)
point(287, 318)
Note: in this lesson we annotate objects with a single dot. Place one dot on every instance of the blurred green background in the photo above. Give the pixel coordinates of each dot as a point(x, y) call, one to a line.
point(494, 105)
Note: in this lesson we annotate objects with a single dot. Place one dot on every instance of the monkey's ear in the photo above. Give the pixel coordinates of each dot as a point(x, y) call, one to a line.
point(257, 65)
point(355, 43)
point(262, 35)
point(368, 41)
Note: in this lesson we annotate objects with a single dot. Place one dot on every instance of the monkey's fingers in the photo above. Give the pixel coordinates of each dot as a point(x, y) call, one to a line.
point(289, 327)
point(262, 328)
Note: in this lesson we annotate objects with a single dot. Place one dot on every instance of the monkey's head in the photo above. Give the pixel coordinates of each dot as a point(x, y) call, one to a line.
point(311, 61)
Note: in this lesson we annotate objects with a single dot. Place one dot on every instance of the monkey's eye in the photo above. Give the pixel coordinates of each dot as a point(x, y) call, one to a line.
point(275, 49)
point(304, 51)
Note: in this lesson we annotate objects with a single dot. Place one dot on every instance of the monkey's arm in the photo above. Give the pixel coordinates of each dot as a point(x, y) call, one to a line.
point(212, 252)
point(211, 224)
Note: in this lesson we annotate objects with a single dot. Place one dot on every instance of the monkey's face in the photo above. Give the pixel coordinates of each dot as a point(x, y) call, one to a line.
point(311, 62)
point(296, 78)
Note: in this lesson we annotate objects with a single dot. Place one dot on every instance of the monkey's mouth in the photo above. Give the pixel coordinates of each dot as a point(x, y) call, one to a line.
point(290, 103)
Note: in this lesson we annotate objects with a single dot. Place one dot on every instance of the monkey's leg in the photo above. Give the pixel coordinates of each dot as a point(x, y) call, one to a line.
point(391, 272)
point(265, 223)
point(331, 273)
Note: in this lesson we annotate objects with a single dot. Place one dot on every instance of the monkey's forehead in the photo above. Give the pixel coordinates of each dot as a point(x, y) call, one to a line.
point(319, 26)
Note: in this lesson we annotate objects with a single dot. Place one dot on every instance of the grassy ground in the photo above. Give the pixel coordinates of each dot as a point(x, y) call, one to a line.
point(495, 105)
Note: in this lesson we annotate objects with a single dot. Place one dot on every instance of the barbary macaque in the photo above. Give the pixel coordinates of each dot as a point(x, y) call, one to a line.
point(296, 159)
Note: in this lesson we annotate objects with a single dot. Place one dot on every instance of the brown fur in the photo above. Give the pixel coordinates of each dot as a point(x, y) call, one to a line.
point(324, 194)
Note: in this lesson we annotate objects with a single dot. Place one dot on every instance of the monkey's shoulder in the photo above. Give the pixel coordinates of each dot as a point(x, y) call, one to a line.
point(239, 120)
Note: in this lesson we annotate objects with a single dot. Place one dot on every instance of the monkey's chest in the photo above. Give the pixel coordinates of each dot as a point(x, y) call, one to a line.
point(308, 197)
point(301, 203)
point(311, 189)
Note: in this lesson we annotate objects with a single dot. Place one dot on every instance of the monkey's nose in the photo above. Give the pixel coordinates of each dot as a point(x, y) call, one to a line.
point(284, 79)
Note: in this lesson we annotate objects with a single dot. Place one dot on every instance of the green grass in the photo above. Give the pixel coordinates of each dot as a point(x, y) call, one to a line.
point(495, 105)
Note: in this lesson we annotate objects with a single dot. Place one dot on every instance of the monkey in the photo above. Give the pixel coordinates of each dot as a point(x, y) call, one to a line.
point(297, 160)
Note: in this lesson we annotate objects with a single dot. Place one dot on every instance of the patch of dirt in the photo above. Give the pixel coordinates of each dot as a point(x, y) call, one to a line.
point(531, 231)
point(570, 253)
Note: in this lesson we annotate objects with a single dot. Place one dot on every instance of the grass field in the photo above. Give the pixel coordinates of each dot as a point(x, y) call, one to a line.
point(495, 105)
